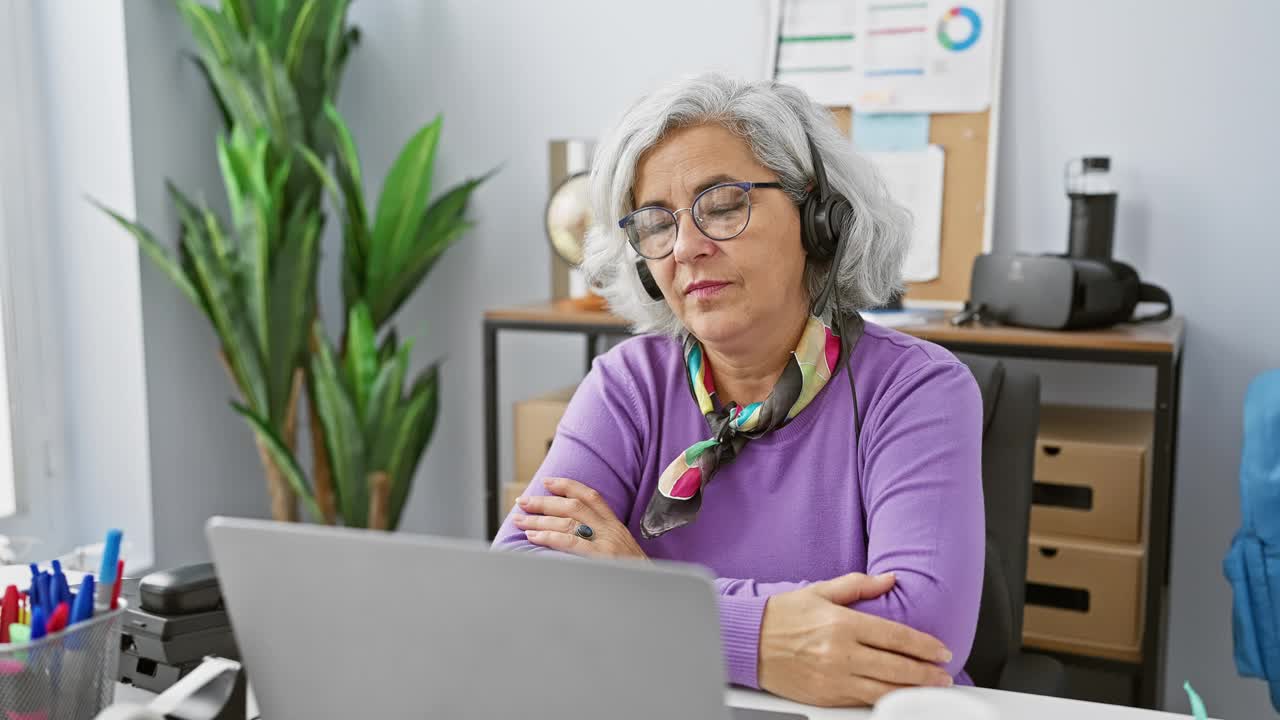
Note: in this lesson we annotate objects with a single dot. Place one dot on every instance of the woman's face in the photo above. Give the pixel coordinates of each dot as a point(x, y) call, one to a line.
point(723, 291)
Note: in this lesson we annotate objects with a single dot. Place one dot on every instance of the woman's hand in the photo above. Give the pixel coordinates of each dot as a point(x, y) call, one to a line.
point(555, 518)
point(815, 650)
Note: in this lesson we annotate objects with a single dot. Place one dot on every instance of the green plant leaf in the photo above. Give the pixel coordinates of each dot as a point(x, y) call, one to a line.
point(299, 35)
point(240, 13)
point(269, 17)
point(213, 89)
point(390, 346)
point(355, 235)
point(392, 295)
point(214, 278)
point(343, 437)
point(292, 305)
point(284, 460)
point(412, 436)
point(279, 99)
point(232, 177)
point(348, 166)
point(209, 29)
point(158, 255)
point(335, 41)
point(442, 225)
point(383, 401)
point(361, 356)
point(404, 197)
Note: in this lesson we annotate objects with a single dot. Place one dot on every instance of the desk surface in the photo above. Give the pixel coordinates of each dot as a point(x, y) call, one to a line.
point(1011, 706)
point(1161, 337)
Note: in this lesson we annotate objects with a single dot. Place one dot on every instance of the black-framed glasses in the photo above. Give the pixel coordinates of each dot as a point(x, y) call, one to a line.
point(721, 212)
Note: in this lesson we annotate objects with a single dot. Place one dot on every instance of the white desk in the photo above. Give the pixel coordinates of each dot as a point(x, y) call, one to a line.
point(1011, 706)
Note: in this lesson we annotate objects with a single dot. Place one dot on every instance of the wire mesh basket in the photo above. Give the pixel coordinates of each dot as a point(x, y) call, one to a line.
point(69, 675)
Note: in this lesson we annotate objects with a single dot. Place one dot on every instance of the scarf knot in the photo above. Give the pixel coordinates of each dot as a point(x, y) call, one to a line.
point(678, 497)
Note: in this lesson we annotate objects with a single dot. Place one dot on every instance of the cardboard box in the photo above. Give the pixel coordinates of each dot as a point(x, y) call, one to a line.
point(1092, 471)
point(535, 427)
point(1084, 597)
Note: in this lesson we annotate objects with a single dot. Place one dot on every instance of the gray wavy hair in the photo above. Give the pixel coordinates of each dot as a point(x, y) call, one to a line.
point(776, 120)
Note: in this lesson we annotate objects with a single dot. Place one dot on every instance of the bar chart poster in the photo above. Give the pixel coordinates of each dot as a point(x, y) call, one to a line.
point(926, 56)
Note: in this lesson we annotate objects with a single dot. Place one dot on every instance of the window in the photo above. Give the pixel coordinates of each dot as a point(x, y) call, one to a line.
point(31, 489)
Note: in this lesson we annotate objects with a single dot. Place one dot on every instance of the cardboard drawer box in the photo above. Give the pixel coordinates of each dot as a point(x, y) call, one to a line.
point(1084, 597)
point(1091, 472)
point(535, 427)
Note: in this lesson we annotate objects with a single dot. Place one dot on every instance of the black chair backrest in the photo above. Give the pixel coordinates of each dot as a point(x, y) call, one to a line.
point(1011, 421)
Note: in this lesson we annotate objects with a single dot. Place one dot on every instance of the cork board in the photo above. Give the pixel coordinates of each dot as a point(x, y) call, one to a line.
point(964, 138)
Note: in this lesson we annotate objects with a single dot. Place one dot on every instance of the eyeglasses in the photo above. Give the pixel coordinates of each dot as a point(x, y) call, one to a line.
point(721, 212)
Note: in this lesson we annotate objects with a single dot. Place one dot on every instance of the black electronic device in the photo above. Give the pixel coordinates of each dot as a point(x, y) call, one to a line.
point(1054, 292)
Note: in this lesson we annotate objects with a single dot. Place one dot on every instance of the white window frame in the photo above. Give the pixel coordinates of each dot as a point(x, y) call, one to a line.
point(30, 332)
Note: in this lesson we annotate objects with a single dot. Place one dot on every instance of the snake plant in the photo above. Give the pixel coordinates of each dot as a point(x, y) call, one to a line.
point(274, 67)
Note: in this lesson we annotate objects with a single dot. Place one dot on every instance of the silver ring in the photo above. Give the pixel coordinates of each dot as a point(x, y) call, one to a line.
point(585, 532)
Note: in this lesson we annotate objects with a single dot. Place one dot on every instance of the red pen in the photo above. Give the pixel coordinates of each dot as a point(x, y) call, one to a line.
point(9, 612)
point(58, 620)
point(115, 586)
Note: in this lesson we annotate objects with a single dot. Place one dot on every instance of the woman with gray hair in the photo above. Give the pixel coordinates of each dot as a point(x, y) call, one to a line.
point(826, 470)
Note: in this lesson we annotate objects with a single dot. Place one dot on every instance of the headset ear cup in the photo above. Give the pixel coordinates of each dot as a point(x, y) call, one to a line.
point(811, 228)
point(821, 228)
point(646, 279)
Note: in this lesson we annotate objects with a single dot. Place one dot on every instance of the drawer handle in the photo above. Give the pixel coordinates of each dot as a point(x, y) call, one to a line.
point(1076, 497)
point(1049, 552)
point(1055, 596)
point(1051, 450)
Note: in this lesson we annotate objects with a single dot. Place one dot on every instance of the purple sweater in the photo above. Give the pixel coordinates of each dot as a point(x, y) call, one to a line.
point(804, 503)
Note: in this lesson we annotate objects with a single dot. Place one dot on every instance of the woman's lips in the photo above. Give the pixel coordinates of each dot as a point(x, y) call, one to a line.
point(703, 290)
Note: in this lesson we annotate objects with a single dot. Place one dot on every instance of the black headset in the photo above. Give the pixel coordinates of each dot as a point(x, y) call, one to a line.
point(824, 221)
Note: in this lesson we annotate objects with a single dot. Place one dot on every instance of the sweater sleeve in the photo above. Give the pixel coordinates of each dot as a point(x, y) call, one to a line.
point(923, 497)
point(598, 442)
point(922, 491)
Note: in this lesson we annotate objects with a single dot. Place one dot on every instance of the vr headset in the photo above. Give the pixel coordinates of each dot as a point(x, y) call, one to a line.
point(1056, 292)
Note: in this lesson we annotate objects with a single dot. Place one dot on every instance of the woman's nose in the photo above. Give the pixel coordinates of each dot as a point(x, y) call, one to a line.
point(691, 243)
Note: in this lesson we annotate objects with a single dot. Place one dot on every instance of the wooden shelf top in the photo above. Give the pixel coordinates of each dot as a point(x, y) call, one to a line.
point(1161, 337)
point(551, 313)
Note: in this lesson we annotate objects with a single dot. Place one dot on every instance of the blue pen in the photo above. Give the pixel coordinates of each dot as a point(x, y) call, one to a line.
point(83, 608)
point(37, 624)
point(62, 593)
point(33, 593)
point(46, 593)
point(107, 573)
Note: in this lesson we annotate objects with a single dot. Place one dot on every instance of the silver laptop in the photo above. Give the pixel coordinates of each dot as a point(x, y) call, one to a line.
point(337, 623)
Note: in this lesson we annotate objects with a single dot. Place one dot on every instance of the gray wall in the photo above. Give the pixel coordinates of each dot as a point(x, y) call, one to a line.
point(1183, 98)
point(203, 460)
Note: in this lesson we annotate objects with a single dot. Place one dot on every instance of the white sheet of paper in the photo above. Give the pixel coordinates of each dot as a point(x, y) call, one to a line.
point(915, 181)
point(930, 56)
point(815, 48)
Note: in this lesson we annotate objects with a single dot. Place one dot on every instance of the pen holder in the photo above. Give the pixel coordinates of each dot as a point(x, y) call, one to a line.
point(69, 675)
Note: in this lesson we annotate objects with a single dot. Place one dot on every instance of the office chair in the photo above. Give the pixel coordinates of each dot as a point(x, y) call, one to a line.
point(1011, 420)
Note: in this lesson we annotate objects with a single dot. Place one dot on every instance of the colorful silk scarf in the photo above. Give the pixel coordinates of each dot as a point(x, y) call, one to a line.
point(678, 497)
